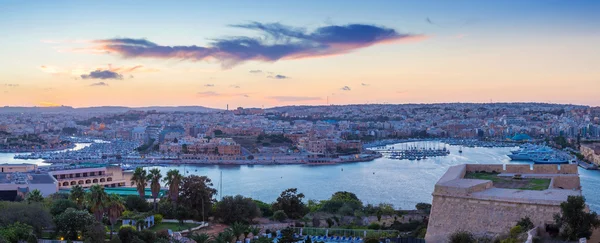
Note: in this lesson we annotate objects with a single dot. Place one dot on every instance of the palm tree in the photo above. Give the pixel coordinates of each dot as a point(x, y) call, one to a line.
point(173, 180)
point(255, 230)
point(77, 195)
point(237, 229)
point(155, 184)
point(200, 238)
point(34, 196)
point(114, 208)
point(225, 237)
point(97, 200)
point(140, 179)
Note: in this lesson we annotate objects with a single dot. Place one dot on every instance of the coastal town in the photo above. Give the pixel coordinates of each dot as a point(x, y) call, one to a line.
point(284, 135)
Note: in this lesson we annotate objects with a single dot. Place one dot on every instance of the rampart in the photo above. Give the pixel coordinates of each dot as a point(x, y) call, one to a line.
point(482, 209)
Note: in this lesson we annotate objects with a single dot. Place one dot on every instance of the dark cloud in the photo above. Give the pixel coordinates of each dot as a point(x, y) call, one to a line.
point(209, 85)
point(102, 74)
point(279, 76)
point(256, 71)
point(364, 84)
point(345, 88)
point(278, 42)
point(99, 84)
point(293, 98)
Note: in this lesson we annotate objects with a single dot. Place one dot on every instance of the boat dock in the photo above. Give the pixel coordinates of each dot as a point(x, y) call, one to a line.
point(587, 166)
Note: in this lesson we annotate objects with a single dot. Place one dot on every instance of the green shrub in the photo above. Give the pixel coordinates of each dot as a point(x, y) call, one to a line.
point(374, 226)
point(461, 237)
point(526, 224)
point(516, 231)
point(279, 215)
point(158, 218)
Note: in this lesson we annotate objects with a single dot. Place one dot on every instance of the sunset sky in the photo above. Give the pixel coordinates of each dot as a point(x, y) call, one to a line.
point(274, 53)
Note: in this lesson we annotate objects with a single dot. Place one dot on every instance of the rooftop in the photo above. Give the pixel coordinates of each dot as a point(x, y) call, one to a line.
point(536, 184)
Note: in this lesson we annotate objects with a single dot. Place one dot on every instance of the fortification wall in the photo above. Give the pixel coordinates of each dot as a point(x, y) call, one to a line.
point(589, 153)
point(524, 168)
point(566, 182)
point(481, 217)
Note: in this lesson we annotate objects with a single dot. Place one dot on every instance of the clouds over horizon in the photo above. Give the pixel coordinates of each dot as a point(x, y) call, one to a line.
point(345, 88)
point(206, 94)
point(278, 76)
point(102, 74)
point(278, 42)
point(99, 84)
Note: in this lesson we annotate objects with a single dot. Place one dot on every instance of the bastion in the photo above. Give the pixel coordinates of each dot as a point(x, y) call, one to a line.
point(487, 200)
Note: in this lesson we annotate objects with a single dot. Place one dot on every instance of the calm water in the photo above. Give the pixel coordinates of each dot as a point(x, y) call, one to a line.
point(402, 183)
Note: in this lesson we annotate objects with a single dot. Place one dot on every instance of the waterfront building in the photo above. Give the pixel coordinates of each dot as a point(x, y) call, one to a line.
point(19, 184)
point(591, 152)
point(110, 176)
point(487, 208)
point(18, 167)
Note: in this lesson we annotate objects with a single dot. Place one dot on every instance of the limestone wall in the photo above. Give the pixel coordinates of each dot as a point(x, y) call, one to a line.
point(566, 182)
point(481, 217)
point(524, 168)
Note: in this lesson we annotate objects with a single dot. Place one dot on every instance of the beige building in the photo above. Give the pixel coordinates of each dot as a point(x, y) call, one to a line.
point(591, 152)
point(111, 176)
point(17, 167)
point(485, 208)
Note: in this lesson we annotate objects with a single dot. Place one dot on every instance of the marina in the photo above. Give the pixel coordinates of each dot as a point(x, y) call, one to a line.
point(403, 183)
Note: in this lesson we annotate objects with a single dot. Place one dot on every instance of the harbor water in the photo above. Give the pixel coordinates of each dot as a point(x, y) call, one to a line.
point(402, 183)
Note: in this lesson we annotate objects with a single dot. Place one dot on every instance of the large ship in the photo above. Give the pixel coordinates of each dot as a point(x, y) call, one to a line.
point(528, 153)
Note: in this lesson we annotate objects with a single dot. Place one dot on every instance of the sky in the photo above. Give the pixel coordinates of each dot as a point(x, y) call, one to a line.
point(274, 53)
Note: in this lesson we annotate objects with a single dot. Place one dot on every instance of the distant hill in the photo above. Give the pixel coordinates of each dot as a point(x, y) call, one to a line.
point(104, 109)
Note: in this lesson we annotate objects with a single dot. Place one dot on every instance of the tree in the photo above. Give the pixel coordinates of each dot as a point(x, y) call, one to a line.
point(77, 195)
point(236, 209)
point(16, 232)
point(33, 214)
point(279, 215)
point(60, 205)
point(574, 222)
point(140, 179)
point(200, 238)
point(115, 209)
point(155, 184)
point(426, 207)
point(95, 232)
point(127, 234)
point(197, 195)
point(173, 181)
point(287, 236)
point(34, 196)
point(73, 221)
point(97, 200)
point(290, 201)
point(237, 229)
point(265, 209)
point(526, 223)
point(136, 203)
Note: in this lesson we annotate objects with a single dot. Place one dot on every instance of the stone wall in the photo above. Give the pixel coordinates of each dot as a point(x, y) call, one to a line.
point(481, 217)
point(524, 168)
point(566, 182)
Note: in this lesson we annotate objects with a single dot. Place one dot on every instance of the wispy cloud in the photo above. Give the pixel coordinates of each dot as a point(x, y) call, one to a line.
point(234, 86)
point(278, 76)
point(11, 85)
point(364, 84)
point(205, 94)
point(345, 88)
point(277, 42)
point(209, 85)
point(102, 74)
point(99, 84)
point(293, 98)
point(255, 71)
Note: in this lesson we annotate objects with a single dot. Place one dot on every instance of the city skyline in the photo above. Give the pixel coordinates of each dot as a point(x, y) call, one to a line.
point(298, 53)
